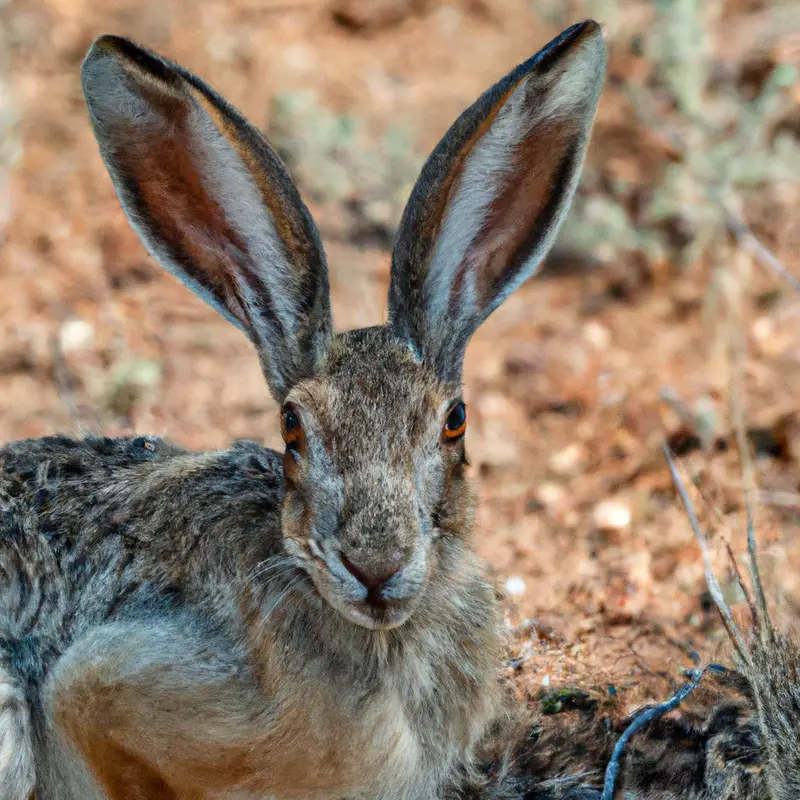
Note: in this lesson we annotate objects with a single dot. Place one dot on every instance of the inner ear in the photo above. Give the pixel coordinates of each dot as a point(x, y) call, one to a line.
point(518, 217)
point(213, 203)
point(490, 199)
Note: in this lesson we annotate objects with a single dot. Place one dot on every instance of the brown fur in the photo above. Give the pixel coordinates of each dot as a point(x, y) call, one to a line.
point(172, 649)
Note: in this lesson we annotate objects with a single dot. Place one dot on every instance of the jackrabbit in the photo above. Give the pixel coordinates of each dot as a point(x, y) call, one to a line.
point(311, 624)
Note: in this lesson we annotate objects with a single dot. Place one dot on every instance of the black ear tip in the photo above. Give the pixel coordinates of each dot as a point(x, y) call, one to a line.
point(104, 46)
point(118, 48)
point(590, 25)
point(580, 30)
point(589, 34)
point(589, 31)
point(113, 59)
point(578, 34)
point(584, 37)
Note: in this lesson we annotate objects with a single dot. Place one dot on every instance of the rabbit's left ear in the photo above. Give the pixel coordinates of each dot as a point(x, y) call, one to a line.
point(489, 201)
point(213, 203)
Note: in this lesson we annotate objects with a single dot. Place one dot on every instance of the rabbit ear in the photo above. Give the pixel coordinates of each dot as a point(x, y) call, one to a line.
point(491, 197)
point(212, 203)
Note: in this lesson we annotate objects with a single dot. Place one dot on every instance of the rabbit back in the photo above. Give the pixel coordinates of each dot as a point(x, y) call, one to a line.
point(92, 530)
point(97, 531)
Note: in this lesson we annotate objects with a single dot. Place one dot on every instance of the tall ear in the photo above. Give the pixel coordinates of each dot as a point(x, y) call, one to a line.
point(489, 201)
point(212, 203)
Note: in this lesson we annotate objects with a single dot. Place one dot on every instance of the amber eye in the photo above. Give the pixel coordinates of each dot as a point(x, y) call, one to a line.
point(292, 429)
point(456, 422)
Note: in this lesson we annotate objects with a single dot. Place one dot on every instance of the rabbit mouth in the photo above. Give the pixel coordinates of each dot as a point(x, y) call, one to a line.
point(379, 616)
point(377, 604)
point(370, 612)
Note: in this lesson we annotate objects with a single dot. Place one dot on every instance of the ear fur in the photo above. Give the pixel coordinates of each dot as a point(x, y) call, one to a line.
point(213, 203)
point(489, 200)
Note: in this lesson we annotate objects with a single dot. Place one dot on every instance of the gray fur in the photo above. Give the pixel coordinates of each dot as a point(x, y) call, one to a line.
point(208, 650)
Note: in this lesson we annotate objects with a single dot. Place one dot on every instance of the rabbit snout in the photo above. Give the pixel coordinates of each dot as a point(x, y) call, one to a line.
point(384, 577)
point(373, 573)
point(376, 588)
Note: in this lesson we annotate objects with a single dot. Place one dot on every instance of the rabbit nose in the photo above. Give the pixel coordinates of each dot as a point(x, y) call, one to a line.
point(373, 575)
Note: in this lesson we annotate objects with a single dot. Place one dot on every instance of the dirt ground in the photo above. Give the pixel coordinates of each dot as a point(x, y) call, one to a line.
point(572, 387)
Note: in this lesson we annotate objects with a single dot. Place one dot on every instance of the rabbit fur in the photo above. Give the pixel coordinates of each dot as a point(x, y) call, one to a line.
point(311, 624)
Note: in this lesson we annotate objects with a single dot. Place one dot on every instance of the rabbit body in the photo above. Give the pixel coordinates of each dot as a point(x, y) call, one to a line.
point(139, 636)
point(305, 625)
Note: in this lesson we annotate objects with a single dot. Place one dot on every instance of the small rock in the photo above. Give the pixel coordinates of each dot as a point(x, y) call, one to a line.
point(597, 335)
point(612, 515)
point(550, 495)
point(763, 328)
point(449, 20)
point(75, 334)
point(605, 252)
point(514, 586)
point(567, 461)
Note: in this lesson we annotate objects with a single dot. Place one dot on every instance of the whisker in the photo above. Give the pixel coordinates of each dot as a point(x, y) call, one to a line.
point(264, 568)
point(279, 576)
point(280, 599)
point(270, 562)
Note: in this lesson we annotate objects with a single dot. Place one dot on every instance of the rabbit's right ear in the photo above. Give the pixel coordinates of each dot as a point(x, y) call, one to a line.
point(212, 203)
point(491, 197)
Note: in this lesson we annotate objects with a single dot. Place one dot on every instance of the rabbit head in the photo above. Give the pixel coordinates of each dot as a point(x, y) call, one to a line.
point(376, 503)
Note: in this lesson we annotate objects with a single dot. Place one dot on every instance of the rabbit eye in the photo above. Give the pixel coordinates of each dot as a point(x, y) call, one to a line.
point(456, 422)
point(292, 429)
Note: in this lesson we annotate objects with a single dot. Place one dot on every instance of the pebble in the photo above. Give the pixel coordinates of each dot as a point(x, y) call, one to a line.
point(612, 515)
point(75, 334)
point(550, 495)
point(567, 461)
point(596, 335)
point(514, 586)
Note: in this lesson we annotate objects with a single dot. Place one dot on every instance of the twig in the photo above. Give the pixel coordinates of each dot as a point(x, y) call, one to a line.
point(711, 579)
point(64, 380)
point(737, 575)
point(612, 770)
point(750, 489)
point(763, 254)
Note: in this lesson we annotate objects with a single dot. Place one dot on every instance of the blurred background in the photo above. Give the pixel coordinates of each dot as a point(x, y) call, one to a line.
point(668, 309)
